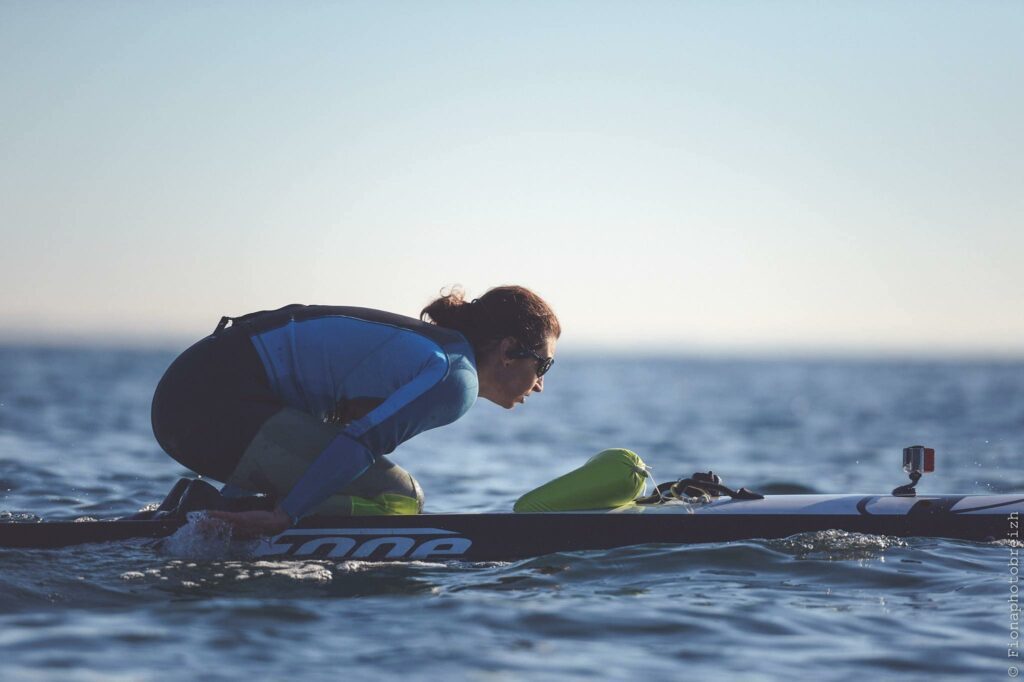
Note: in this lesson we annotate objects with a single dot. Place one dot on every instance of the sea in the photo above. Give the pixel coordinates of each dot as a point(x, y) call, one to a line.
point(76, 442)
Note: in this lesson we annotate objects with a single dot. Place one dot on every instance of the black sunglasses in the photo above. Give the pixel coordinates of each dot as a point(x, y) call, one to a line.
point(543, 364)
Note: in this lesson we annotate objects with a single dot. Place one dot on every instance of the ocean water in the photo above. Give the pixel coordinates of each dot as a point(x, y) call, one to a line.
point(75, 442)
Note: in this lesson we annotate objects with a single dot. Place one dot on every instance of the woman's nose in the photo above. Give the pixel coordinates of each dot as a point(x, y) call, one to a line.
point(539, 386)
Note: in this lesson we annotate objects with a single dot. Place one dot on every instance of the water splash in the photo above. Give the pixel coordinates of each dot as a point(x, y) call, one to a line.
point(203, 537)
point(836, 545)
point(19, 517)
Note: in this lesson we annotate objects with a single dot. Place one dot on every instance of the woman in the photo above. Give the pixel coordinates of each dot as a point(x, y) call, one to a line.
point(302, 403)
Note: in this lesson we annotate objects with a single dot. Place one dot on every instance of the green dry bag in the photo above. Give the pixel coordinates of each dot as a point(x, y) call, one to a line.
point(610, 478)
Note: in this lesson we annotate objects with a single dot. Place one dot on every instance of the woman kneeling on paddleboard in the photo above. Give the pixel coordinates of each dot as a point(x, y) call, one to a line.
point(302, 403)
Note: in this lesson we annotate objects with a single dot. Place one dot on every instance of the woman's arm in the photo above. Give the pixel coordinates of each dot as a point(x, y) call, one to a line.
point(434, 398)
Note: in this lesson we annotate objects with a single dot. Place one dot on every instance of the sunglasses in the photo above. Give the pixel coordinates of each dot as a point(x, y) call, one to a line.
point(543, 364)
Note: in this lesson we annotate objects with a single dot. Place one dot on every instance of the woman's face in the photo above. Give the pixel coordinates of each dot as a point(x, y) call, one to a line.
point(516, 378)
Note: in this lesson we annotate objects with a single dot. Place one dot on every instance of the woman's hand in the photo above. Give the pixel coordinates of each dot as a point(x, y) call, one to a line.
point(254, 524)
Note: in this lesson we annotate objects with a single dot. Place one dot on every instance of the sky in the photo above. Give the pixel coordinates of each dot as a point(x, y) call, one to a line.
point(710, 177)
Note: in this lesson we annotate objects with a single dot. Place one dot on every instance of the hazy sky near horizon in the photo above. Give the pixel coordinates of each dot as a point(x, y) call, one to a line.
point(739, 176)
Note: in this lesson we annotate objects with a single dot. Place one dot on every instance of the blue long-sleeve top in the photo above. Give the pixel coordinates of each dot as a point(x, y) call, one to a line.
point(320, 359)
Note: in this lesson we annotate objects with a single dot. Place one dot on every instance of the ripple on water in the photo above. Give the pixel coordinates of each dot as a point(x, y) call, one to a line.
point(821, 606)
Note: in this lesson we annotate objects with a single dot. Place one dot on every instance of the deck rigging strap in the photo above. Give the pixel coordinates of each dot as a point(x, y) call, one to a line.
point(700, 487)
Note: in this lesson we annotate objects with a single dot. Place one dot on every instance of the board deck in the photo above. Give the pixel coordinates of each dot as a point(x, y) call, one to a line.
point(504, 536)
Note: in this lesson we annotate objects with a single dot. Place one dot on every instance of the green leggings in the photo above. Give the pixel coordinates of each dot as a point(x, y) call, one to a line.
point(287, 444)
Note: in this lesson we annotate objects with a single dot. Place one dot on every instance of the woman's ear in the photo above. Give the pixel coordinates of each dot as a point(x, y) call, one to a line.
point(504, 346)
point(507, 345)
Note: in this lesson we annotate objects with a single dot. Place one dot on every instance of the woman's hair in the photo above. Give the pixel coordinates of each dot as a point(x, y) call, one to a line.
point(503, 311)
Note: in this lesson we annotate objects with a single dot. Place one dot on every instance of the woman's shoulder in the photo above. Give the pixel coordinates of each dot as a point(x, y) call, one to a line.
point(457, 392)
